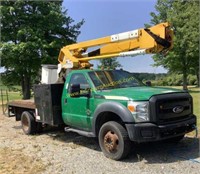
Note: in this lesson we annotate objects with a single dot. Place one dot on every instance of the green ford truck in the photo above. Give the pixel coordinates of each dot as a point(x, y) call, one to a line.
point(111, 105)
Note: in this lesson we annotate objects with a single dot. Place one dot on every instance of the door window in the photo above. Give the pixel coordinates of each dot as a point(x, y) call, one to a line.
point(79, 79)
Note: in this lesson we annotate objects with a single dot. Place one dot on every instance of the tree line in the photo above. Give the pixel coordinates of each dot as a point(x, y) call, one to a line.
point(163, 79)
point(184, 57)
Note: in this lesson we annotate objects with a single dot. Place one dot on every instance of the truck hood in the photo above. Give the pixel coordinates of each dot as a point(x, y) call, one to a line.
point(135, 93)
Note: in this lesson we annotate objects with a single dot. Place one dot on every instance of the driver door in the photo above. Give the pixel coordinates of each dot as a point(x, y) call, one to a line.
point(77, 109)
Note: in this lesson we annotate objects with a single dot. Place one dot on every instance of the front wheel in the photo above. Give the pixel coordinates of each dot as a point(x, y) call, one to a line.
point(114, 140)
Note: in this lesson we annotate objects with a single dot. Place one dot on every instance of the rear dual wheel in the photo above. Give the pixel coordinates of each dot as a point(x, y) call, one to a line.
point(114, 141)
point(29, 125)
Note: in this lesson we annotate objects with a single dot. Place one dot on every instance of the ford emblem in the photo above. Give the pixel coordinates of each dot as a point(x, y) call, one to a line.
point(178, 109)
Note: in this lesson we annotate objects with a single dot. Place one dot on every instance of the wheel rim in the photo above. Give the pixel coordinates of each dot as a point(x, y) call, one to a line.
point(25, 124)
point(111, 141)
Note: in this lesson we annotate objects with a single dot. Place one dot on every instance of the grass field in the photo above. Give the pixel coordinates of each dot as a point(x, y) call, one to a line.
point(195, 92)
point(11, 95)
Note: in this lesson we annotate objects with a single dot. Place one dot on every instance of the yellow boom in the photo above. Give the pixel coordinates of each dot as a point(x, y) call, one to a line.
point(151, 40)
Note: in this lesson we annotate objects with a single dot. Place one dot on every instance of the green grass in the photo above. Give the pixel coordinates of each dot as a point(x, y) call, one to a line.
point(195, 92)
point(12, 95)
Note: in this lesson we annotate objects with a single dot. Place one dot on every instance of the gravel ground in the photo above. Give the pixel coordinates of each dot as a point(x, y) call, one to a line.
point(68, 153)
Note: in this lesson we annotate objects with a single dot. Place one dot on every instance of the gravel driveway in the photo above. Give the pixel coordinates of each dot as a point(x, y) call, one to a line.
point(66, 153)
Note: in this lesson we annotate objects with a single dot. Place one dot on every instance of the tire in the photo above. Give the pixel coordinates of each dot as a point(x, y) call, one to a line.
point(39, 127)
point(29, 126)
point(114, 141)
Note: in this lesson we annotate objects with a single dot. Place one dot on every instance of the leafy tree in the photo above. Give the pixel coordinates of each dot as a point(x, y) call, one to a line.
point(184, 16)
point(109, 64)
point(32, 33)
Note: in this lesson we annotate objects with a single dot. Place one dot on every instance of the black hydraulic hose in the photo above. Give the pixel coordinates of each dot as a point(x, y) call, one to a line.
point(165, 43)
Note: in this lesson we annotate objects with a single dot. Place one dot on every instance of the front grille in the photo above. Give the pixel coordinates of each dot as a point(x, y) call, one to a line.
point(171, 107)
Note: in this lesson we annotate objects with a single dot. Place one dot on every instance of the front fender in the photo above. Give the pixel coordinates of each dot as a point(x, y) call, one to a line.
point(114, 107)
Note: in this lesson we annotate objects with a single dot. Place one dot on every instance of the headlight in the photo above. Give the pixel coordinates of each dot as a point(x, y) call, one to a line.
point(140, 110)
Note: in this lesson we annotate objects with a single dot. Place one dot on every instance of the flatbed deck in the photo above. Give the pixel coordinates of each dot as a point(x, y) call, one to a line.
point(16, 107)
point(30, 104)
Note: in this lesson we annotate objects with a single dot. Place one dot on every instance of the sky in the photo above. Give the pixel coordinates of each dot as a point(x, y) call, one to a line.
point(107, 17)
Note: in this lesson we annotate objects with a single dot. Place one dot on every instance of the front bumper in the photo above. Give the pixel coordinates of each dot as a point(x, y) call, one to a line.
point(147, 132)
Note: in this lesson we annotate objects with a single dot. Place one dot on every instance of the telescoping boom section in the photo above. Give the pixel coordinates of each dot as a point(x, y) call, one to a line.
point(156, 39)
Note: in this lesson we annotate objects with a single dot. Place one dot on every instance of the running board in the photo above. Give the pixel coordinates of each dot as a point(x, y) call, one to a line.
point(80, 132)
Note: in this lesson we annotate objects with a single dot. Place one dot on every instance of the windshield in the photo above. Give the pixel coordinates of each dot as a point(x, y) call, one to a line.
point(111, 79)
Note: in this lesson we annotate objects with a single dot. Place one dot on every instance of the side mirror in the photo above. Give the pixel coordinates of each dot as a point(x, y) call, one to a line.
point(148, 83)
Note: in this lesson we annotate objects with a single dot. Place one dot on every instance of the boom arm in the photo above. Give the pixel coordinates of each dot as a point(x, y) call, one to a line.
point(141, 41)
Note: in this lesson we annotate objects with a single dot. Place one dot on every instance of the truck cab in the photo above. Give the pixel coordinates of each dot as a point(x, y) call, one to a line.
point(94, 99)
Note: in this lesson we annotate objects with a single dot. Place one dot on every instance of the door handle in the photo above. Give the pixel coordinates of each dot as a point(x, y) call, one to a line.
point(65, 101)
